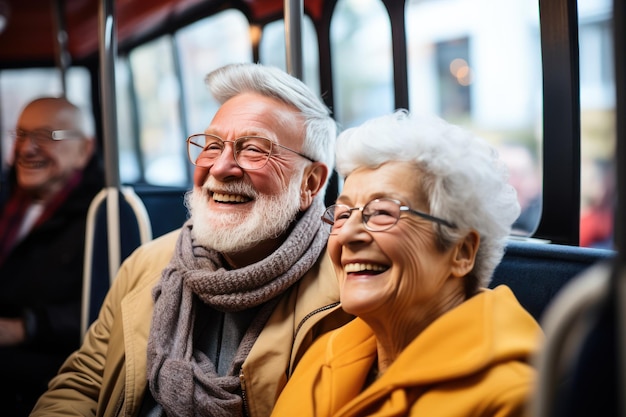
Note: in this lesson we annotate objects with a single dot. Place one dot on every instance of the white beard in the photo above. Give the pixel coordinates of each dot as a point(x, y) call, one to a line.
point(235, 231)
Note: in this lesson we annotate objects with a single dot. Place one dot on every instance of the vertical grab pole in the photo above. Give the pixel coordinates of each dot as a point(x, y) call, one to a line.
point(62, 55)
point(113, 195)
point(294, 14)
point(108, 50)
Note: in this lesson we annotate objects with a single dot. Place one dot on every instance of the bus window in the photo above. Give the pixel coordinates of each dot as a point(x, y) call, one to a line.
point(525, 177)
point(130, 164)
point(272, 50)
point(22, 85)
point(204, 46)
point(478, 64)
point(597, 117)
point(172, 100)
point(360, 34)
point(158, 97)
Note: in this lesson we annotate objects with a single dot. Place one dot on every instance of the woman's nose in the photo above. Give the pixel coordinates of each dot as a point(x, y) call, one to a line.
point(353, 230)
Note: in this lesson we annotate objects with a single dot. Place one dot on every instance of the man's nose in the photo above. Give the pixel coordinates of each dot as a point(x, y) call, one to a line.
point(226, 165)
point(27, 143)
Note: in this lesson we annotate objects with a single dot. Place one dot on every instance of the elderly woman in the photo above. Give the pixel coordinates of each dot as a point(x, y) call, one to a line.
point(415, 235)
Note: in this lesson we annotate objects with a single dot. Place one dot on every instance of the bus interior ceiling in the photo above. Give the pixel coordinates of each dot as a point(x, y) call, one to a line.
point(29, 27)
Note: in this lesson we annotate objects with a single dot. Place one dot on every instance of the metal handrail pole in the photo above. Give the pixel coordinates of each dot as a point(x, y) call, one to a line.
point(294, 15)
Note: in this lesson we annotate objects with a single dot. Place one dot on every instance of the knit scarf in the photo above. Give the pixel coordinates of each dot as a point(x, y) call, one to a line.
point(182, 379)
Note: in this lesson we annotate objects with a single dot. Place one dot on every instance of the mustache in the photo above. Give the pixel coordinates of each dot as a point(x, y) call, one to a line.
point(237, 187)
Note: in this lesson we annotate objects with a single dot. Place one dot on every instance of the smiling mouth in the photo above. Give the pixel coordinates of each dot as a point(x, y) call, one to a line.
point(32, 164)
point(229, 198)
point(364, 267)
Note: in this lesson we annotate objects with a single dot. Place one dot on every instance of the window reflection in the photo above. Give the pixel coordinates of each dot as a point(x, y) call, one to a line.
point(455, 77)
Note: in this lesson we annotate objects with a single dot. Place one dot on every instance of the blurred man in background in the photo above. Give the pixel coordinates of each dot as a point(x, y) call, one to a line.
point(52, 180)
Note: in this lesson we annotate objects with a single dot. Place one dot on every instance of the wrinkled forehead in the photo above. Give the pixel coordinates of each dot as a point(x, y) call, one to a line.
point(255, 114)
point(401, 180)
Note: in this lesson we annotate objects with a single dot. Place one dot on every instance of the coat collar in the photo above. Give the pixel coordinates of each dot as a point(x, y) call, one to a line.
point(490, 327)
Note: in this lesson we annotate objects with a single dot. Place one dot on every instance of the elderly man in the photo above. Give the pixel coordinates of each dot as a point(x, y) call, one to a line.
point(53, 178)
point(211, 319)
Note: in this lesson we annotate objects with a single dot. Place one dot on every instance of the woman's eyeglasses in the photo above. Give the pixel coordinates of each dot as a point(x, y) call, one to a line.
point(377, 215)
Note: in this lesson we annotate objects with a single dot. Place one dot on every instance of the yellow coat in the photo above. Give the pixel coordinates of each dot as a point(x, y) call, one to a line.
point(472, 361)
point(107, 375)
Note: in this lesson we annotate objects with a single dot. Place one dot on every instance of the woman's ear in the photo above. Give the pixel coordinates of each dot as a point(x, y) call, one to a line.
point(312, 181)
point(465, 254)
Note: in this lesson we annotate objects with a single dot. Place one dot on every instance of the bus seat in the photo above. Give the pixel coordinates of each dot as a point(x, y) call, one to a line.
point(165, 206)
point(104, 256)
point(145, 212)
point(535, 272)
point(579, 363)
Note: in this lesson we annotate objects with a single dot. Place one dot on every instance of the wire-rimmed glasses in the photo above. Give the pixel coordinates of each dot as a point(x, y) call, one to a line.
point(377, 216)
point(44, 137)
point(250, 152)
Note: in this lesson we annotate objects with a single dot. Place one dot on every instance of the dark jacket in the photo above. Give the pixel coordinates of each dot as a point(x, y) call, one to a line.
point(41, 280)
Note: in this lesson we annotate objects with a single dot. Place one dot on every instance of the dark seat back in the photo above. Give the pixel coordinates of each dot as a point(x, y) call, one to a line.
point(165, 206)
point(535, 272)
point(112, 234)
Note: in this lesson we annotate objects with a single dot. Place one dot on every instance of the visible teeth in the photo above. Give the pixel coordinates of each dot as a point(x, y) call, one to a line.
point(32, 164)
point(230, 198)
point(356, 267)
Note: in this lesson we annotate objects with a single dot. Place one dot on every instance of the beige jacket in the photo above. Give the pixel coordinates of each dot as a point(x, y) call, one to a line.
point(107, 375)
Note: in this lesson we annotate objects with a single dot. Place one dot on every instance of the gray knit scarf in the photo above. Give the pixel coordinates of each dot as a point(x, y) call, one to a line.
point(182, 379)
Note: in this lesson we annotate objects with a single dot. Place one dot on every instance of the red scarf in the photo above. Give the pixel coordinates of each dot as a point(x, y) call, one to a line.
point(16, 207)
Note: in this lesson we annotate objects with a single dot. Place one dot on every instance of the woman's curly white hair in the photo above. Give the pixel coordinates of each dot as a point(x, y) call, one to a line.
point(461, 176)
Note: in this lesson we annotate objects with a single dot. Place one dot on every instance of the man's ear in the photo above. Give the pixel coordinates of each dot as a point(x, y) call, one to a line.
point(312, 181)
point(88, 147)
point(464, 254)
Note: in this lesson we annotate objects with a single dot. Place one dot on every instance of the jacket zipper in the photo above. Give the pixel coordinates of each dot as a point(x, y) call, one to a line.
point(119, 407)
point(312, 313)
point(242, 381)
